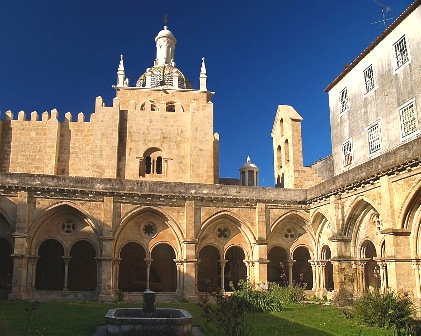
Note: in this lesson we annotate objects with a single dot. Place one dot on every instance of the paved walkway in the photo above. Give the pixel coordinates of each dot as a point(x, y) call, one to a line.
point(101, 331)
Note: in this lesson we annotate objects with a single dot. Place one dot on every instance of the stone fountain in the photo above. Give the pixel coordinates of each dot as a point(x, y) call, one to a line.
point(148, 320)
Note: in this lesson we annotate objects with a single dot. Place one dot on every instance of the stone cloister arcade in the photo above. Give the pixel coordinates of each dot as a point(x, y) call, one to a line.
point(65, 253)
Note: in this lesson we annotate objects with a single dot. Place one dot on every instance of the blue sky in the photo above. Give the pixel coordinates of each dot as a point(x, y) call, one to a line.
point(259, 54)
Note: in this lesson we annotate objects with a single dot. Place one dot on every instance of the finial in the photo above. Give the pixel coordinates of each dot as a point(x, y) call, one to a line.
point(248, 158)
point(203, 68)
point(121, 65)
point(165, 20)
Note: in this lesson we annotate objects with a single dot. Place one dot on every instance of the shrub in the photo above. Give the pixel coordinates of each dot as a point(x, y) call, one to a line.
point(222, 314)
point(390, 310)
point(287, 294)
point(343, 297)
point(256, 300)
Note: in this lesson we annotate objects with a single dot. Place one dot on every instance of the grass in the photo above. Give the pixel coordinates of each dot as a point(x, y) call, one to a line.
point(71, 318)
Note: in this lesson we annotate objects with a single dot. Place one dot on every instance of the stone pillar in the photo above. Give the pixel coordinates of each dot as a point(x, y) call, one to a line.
point(190, 271)
point(148, 271)
point(360, 276)
point(314, 268)
point(115, 273)
point(179, 264)
point(32, 265)
point(261, 273)
point(323, 289)
point(250, 270)
point(66, 272)
point(289, 264)
point(106, 275)
point(383, 276)
point(19, 289)
point(20, 268)
point(222, 265)
point(416, 265)
point(21, 248)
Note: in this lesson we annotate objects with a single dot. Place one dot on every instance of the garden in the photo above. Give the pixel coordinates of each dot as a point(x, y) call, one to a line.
point(249, 311)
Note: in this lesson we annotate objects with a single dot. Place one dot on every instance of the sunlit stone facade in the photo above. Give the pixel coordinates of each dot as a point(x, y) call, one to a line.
point(132, 199)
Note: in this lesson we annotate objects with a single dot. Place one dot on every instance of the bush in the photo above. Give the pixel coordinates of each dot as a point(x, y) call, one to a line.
point(390, 310)
point(288, 294)
point(222, 314)
point(343, 297)
point(256, 300)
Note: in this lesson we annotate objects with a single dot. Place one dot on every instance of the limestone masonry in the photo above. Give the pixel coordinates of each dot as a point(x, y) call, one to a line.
point(132, 199)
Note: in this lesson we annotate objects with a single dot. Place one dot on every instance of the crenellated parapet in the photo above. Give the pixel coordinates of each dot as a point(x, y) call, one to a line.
point(45, 116)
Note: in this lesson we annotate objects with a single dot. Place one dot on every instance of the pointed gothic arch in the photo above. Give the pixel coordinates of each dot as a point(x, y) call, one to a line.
point(142, 216)
point(357, 210)
point(215, 225)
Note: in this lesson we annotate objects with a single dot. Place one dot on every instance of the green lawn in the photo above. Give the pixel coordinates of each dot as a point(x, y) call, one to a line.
point(59, 318)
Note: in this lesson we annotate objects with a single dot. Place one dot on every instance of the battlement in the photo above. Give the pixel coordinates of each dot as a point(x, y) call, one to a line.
point(34, 116)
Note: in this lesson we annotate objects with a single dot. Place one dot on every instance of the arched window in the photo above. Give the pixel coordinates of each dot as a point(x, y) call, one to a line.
point(148, 105)
point(152, 164)
point(281, 127)
point(159, 165)
point(170, 107)
point(148, 165)
point(279, 157)
point(286, 151)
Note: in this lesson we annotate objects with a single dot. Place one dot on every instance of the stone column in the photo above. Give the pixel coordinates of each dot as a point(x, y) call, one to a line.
point(383, 276)
point(416, 265)
point(66, 272)
point(360, 276)
point(314, 268)
point(148, 270)
point(323, 289)
point(222, 265)
point(250, 270)
point(289, 265)
point(179, 264)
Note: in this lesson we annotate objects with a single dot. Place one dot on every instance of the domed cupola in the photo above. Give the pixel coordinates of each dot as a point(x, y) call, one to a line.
point(164, 72)
point(249, 174)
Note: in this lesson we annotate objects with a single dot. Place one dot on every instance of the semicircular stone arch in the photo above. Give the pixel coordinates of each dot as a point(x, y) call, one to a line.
point(208, 268)
point(164, 266)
